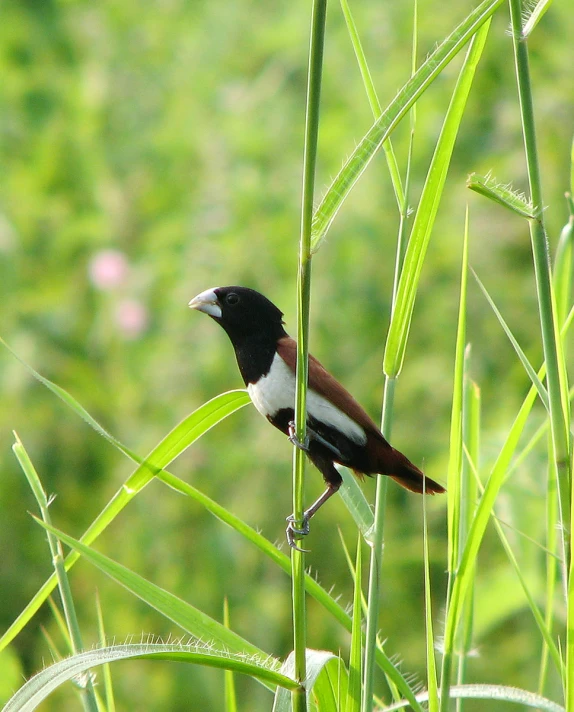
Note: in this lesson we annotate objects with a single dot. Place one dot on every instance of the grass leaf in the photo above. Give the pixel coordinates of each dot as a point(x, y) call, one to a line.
point(542, 392)
point(427, 210)
point(353, 703)
point(397, 109)
point(183, 435)
point(41, 685)
point(503, 194)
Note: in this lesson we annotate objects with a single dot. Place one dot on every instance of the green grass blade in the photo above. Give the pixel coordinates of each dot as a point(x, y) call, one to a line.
point(455, 446)
point(183, 435)
point(535, 16)
point(107, 673)
point(313, 97)
point(353, 703)
point(230, 694)
point(282, 560)
point(454, 490)
point(430, 640)
point(503, 194)
point(313, 588)
point(315, 661)
point(183, 614)
point(397, 109)
point(496, 693)
point(356, 502)
point(208, 415)
point(552, 569)
point(557, 381)
point(464, 576)
point(331, 686)
point(72, 625)
point(374, 102)
point(468, 497)
point(542, 392)
point(501, 467)
point(39, 687)
point(72, 403)
point(563, 270)
point(540, 622)
point(427, 209)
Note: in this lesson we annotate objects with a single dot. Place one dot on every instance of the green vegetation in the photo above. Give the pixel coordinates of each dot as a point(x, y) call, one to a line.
point(152, 151)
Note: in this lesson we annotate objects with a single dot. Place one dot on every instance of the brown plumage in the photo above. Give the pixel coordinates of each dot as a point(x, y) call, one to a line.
point(380, 457)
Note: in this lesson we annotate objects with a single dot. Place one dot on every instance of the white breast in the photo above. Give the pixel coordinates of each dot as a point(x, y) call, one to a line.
point(276, 391)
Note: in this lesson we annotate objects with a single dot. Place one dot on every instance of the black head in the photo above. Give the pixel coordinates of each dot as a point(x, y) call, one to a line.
point(244, 313)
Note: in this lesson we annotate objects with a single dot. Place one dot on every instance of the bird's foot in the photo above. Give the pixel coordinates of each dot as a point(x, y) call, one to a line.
point(293, 532)
point(295, 440)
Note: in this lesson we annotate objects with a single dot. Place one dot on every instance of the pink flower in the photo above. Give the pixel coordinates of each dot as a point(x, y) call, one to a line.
point(108, 269)
point(131, 317)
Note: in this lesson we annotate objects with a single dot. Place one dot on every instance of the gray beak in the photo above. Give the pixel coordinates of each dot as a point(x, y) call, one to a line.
point(207, 302)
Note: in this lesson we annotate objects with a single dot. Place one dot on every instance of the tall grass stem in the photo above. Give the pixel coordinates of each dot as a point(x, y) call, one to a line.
point(553, 355)
point(303, 307)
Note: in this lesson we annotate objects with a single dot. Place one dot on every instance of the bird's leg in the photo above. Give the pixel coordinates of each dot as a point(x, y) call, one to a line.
point(295, 440)
point(312, 435)
point(294, 532)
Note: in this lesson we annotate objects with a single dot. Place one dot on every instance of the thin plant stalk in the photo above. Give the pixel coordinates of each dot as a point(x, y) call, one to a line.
point(550, 336)
point(455, 502)
point(374, 590)
point(469, 494)
point(374, 103)
point(556, 376)
point(303, 306)
point(88, 694)
point(375, 570)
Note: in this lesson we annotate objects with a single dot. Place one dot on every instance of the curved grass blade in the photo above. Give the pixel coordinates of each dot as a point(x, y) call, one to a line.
point(183, 614)
point(535, 16)
point(331, 686)
point(223, 406)
point(542, 392)
point(72, 403)
point(41, 685)
point(312, 587)
point(315, 661)
point(490, 692)
point(181, 437)
point(502, 194)
point(397, 109)
point(374, 102)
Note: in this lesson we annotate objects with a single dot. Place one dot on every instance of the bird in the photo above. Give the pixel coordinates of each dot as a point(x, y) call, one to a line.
point(338, 429)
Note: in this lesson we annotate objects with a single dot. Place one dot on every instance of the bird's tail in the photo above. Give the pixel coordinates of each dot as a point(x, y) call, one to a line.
point(410, 477)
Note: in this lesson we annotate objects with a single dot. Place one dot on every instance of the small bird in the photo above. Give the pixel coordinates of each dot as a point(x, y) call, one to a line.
point(338, 429)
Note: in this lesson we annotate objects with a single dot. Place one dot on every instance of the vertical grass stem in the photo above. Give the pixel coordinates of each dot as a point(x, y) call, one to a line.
point(540, 251)
point(374, 593)
point(556, 372)
point(303, 307)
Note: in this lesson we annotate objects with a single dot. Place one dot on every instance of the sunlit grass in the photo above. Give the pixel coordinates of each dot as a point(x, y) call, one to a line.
point(364, 674)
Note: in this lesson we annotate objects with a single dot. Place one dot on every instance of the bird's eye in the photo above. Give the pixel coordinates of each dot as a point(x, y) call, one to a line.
point(232, 298)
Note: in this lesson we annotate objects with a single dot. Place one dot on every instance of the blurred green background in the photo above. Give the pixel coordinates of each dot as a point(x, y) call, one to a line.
point(151, 150)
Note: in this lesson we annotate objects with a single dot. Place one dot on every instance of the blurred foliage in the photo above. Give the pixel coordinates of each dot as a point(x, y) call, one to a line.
point(171, 133)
